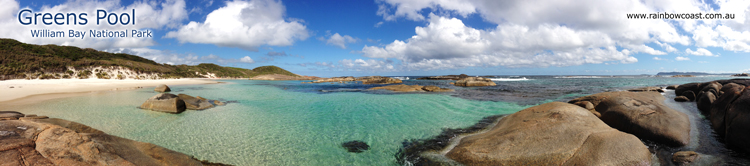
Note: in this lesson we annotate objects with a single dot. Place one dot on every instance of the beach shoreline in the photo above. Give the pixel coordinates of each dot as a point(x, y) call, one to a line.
point(22, 92)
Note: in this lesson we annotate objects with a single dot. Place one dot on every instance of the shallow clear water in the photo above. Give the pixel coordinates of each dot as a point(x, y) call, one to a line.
point(271, 126)
point(288, 123)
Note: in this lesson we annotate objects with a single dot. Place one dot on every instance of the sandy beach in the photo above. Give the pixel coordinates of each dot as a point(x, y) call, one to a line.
point(13, 90)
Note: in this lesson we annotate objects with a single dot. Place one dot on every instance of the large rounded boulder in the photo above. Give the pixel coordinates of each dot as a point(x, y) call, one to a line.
point(165, 102)
point(193, 103)
point(719, 109)
point(474, 81)
point(46, 142)
point(642, 114)
point(551, 134)
point(737, 122)
point(162, 88)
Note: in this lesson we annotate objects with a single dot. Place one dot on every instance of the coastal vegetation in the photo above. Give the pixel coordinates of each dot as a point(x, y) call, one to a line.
point(20, 60)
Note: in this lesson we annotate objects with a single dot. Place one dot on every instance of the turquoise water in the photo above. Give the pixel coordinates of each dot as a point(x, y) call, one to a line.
point(272, 126)
point(288, 123)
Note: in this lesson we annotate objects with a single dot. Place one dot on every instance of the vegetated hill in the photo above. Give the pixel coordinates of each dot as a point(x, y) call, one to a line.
point(20, 60)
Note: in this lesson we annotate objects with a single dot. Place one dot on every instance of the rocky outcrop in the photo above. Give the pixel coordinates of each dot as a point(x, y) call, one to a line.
point(672, 86)
point(378, 80)
point(445, 77)
point(433, 88)
point(731, 91)
point(726, 104)
point(193, 103)
point(364, 80)
point(475, 81)
point(707, 95)
point(10, 115)
point(737, 122)
point(642, 114)
point(741, 75)
point(60, 142)
point(412, 88)
point(646, 89)
point(162, 88)
point(551, 134)
point(400, 88)
point(165, 102)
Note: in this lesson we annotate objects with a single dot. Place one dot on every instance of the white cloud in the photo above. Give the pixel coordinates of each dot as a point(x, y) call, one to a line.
point(378, 24)
point(658, 59)
point(699, 52)
point(666, 46)
point(679, 58)
point(340, 41)
point(410, 9)
point(149, 15)
point(448, 43)
point(572, 32)
point(247, 59)
point(244, 24)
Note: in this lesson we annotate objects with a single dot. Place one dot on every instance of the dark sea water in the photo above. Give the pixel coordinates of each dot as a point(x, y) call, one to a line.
point(290, 123)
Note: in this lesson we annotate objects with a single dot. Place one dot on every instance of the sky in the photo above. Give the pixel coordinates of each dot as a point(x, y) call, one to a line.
point(412, 37)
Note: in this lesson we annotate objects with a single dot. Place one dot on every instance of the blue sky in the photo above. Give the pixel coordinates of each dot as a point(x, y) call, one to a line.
point(416, 37)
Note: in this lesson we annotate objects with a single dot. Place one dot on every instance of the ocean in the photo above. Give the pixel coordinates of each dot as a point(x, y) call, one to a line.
point(290, 123)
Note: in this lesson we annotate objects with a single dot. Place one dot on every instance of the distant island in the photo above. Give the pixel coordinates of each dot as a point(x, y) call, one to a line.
point(28, 61)
point(691, 73)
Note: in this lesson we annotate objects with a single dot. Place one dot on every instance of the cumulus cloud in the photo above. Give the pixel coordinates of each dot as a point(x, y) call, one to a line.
point(247, 59)
point(244, 24)
point(679, 58)
point(448, 43)
point(564, 32)
point(149, 15)
point(699, 52)
point(666, 46)
point(338, 40)
point(658, 59)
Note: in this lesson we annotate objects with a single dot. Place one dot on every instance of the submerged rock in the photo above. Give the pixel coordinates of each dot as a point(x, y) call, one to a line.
point(642, 114)
point(194, 103)
point(165, 102)
point(475, 81)
point(46, 142)
point(551, 134)
point(162, 88)
point(355, 146)
point(684, 157)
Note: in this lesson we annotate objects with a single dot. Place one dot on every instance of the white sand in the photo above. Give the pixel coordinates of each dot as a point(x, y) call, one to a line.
point(26, 88)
